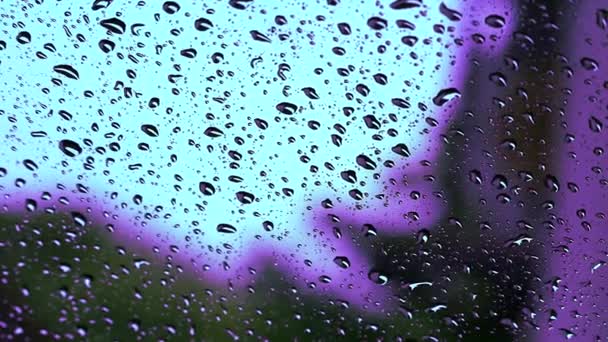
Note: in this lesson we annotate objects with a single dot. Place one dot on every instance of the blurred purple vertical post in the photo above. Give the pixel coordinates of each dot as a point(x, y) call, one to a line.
point(576, 293)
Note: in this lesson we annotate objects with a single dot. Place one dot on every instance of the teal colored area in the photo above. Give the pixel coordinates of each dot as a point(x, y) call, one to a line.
point(153, 124)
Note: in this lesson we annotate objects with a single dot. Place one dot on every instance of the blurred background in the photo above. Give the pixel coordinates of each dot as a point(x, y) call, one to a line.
point(486, 257)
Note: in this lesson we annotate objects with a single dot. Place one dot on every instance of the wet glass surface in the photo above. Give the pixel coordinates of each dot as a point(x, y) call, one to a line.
point(303, 170)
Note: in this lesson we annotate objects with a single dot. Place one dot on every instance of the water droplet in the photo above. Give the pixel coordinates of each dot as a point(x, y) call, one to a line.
point(268, 226)
point(378, 277)
point(552, 183)
point(245, 197)
point(202, 24)
point(342, 262)
point(114, 25)
point(171, 7)
point(401, 149)
point(590, 64)
point(226, 228)
point(287, 108)
point(213, 132)
point(188, 53)
point(260, 37)
point(449, 13)
point(67, 71)
point(445, 95)
point(100, 4)
point(311, 93)
point(377, 23)
point(150, 130)
point(365, 162)
point(239, 4)
point(24, 37)
point(595, 125)
point(106, 45)
point(601, 18)
point(344, 28)
point(206, 188)
point(405, 4)
point(495, 21)
point(79, 219)
point(70, 148)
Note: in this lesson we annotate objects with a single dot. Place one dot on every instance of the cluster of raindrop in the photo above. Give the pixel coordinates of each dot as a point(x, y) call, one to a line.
point(206, 127)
